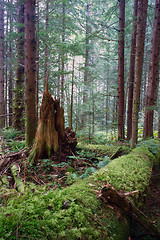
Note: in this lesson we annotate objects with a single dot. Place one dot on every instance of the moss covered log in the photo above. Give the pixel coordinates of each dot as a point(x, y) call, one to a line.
point(105, 150)
point(77, 212)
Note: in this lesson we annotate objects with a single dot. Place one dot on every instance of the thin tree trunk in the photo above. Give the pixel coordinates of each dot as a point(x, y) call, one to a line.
point(11, 82)
point(37, 62)
point(131, 72)
point(72, 88)
point(30, 70)
point(140, 39)
point(84, 119)
point(58, 77)
point(19, 84)
point(121, 70)
point(2, 107)
point(153, 74)
point(46, 46)
point(145, 73)
point(159, 124)
point(62, 57)
point(107, 99)
point(6, 72)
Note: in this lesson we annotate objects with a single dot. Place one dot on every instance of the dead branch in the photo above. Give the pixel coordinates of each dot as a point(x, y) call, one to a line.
point(112, 197)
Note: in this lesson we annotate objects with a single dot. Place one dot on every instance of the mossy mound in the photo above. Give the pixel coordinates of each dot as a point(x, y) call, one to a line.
point(76, 212)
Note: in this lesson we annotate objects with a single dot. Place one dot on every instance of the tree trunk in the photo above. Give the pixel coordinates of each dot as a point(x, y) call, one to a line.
point(46, 139)
point(11, 82)
point(37, 61)
point(140, 39)
point(19, 84)
point(30, 70)
point(153, 74)
point(62, 55)
point(131, 72)
point(51, 136)
point(2, 109)
point(46, 45)
point(159, 124)
point(6, 71)
point(121, 70)
point(72, 88)
point(86, 64)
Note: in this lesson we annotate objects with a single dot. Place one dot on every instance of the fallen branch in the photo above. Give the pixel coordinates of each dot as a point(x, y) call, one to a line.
point(18, 182)
point(112, 197)
point(9, 158)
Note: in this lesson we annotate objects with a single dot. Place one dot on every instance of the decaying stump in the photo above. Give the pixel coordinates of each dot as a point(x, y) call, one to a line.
point(112, 197)
point(50, 135)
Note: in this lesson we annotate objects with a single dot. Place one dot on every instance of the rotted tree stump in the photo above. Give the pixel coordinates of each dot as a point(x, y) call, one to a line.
point(50, 135)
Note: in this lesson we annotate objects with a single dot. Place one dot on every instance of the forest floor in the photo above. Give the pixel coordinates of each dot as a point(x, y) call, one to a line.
point(62, 171)
point(151, 207)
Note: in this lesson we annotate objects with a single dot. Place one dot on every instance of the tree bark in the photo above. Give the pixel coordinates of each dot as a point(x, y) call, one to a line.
point(62, 54)
point(37, 62)
point(72, 88)
point(6, 71)
point(30, 70)
point(140, 39)
point(46, 45)
point(86, 64)
point(131, 72)
point(121, 70)
point(11, 82)
point(19, 83)
point(2, 108)
point(153, 76)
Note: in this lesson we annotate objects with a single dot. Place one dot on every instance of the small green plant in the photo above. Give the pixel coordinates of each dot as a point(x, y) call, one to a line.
point(103, 163)
point(10, 133)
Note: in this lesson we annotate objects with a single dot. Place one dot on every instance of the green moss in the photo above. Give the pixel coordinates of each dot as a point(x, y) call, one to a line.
point(111, 151)
point(100, 150)
point(71, 213)
point(76, 212)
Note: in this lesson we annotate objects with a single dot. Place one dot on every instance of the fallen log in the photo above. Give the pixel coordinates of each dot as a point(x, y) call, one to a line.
point(75, 212)
point(112, 197)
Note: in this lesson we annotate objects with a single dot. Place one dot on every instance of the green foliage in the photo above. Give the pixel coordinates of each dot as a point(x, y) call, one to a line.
point(153, 146)
point(10, 133)
point(103, 163)
point(14, 146)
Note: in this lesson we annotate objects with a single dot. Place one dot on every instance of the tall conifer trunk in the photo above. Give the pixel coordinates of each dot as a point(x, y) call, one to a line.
point(86, 63)
point(153, 76)
point(30, 70)
point(19, 83)
point(46, 45)
point(121, 70)
point(2, 109)
point(131, 72)
point(140, 39)
point(62, 54)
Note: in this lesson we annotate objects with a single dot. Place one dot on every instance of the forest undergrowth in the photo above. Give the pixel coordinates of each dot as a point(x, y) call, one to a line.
point(63, 170)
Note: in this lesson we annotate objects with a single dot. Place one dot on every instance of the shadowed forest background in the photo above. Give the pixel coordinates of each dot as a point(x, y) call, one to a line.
point(91, 54)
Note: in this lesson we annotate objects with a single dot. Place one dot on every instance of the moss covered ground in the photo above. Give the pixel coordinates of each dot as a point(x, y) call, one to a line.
point(76, 211)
